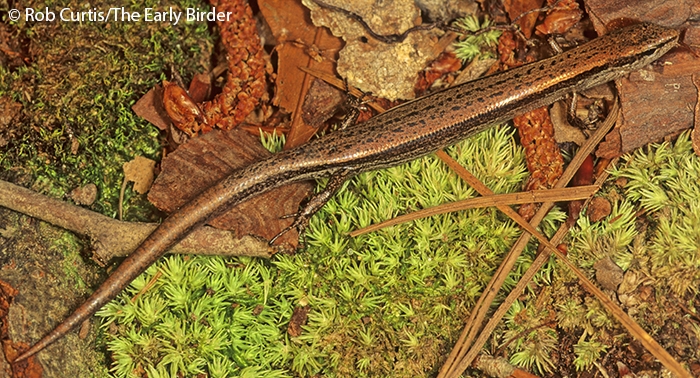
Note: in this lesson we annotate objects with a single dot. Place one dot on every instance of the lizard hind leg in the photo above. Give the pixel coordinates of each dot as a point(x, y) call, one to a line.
point(315, 203)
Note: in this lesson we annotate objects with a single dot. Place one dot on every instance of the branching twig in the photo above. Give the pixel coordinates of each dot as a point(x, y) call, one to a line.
point(111, 238)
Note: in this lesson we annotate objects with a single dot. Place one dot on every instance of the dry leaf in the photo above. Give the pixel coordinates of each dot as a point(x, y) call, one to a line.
point(204, 160)
point(289, 22)
point(150, 108)
point(140, 172)
point(516, 8)
point(561, 19)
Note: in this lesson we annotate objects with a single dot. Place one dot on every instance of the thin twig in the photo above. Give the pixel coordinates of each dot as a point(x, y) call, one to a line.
point(386, 38)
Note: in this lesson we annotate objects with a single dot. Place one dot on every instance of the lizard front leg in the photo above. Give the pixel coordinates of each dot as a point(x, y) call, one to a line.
point(316, 202)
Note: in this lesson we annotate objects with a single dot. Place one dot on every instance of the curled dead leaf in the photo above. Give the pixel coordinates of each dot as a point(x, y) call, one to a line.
point(182, 110)
point(140, 171)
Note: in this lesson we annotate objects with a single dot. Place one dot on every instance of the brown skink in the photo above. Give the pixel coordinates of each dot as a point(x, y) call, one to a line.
point(403, 133)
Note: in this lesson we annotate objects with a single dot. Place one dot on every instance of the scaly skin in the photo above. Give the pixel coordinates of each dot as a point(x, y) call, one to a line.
point(404, 133)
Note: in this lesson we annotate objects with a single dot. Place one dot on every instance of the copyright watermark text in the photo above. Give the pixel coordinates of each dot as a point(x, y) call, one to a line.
point(120, 14)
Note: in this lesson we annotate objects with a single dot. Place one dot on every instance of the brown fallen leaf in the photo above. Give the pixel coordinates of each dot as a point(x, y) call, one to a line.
point(446, 63)
point(563, 130)
point(202, 161)
point(560, 19)
point(289, 22)
point(516, 8)
point(140, 172)
point(150, 108)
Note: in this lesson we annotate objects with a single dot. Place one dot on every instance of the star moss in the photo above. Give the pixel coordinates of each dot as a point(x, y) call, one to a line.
point(390, 302)
point(651, 234)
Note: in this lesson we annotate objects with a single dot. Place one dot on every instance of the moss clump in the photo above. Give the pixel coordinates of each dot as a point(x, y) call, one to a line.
point(385, 304)
point(390, 303)
point(665, 182)
point(76, 125)
point(473, 46)
point(222, 317)
point(651, 234)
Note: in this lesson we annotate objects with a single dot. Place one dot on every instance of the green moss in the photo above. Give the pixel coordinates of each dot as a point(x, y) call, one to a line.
point(529, 337)
point(658, 248)
point(473, 46)
point(587, 352)
point(70, 246)
point(391, 302)
point(214, 315)
point(384, 304)
point(76, 125)
point(664, 181)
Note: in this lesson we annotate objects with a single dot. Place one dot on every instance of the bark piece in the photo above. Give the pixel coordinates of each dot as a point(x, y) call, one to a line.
point(658, 101)
point(321, 102)
point(662, 12)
